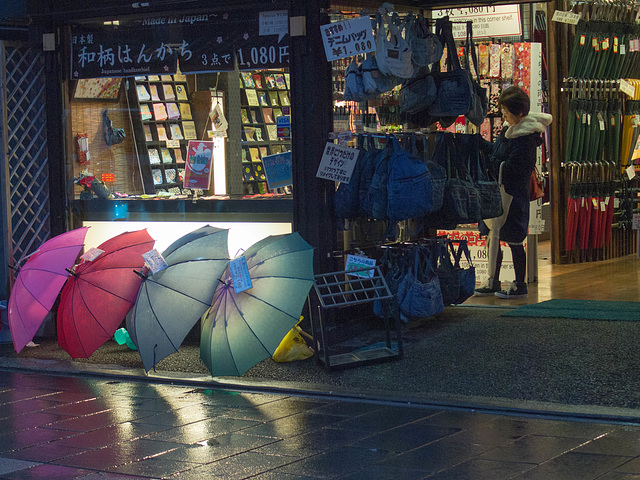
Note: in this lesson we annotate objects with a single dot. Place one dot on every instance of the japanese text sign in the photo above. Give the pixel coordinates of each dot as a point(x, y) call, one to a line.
point(337, 163)
point(354, 262)
point(277, 169)
point(488, 21)
point(348, 38)
point(154, 45)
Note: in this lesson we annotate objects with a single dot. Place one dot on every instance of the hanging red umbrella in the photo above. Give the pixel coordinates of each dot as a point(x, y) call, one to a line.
point(39, 282)
point(100, 293)
point(610, 209)
point(587, 204)
point(572, 214)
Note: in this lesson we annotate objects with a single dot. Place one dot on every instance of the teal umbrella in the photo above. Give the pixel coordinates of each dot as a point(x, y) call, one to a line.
point(171, 301)
point(244, 327)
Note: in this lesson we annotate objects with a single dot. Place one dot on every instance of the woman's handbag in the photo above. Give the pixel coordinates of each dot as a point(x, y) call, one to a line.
point(461, 199)
point(488, 188)
point(536, 186)
point(455, 86)
point(456, 283)
point(112, 136)
point(425, 45)
point(479, 99)
point(419, 293)
point(393, 53)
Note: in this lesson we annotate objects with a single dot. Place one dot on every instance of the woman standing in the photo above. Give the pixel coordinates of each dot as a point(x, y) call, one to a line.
point(514, 156)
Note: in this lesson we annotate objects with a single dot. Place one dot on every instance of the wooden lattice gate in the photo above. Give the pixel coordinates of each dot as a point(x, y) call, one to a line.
point(24, 178)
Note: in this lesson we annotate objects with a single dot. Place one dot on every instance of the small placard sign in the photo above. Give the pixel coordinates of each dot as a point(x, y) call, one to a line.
point(278, 170)
point(355, 262)
point(348, 38)
point(337, 163)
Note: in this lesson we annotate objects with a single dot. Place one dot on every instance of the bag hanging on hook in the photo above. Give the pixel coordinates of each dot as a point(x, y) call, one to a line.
point(112, 136)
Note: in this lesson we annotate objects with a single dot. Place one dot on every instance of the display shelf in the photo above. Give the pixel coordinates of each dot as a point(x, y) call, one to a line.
point(163, 125)
point(264, 97)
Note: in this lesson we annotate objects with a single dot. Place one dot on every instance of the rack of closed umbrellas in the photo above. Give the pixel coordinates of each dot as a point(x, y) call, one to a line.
point(598, 184)
point(246, 305)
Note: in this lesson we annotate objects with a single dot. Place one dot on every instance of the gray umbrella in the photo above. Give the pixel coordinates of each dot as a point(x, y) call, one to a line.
point(171, 302)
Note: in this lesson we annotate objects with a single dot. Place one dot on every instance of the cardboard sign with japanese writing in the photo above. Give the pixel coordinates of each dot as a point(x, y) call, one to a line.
point(337, 163)
point(277, 169)
point(198, 165)
point(348, 38)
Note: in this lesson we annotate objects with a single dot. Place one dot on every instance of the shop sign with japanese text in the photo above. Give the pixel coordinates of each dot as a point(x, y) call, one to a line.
point(337, 163)
point(488, 21)
point(348, 38)
point(200, 43)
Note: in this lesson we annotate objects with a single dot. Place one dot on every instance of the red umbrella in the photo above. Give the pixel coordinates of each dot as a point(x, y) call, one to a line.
point(572, 215)
point(585, 217)
point(609, 220)
point(100, 293)
point(39, 282)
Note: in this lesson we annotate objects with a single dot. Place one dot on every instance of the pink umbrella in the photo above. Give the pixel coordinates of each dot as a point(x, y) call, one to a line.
point(39, 282)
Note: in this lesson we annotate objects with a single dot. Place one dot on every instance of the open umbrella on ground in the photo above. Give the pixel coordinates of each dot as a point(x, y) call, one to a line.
point(38, 284)
point(99, 293)
point(243, 328)
point(171, 301)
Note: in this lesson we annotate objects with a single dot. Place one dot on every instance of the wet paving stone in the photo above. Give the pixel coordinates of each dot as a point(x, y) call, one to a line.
point(46, 471)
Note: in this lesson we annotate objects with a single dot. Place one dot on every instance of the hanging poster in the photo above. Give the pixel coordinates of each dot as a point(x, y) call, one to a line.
point(198, 165)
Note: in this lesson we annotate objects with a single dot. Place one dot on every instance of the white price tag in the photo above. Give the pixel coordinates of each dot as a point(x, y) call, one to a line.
point(91, 254)
point(626, 87)
point(631, 171)
point(154, 261)
point(173, 143)
point(355, 262)
point(240, 274)
point(566, 17)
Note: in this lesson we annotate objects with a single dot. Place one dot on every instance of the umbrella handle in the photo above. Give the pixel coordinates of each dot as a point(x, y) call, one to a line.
point(71, 272)
point(140, 274)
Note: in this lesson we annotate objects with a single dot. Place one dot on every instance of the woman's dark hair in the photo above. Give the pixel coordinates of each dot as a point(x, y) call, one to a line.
point(515, 100)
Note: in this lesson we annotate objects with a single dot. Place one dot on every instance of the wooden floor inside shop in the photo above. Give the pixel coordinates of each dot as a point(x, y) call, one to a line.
point(614, 279)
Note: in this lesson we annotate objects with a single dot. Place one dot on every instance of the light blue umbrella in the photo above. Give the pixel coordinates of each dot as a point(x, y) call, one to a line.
point(171, 302)
point(242, 329)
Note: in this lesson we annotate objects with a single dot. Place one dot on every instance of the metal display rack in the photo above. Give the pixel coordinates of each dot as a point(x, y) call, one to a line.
point(345, 289)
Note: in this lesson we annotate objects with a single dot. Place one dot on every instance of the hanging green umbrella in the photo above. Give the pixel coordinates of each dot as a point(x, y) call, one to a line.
point(245, 326)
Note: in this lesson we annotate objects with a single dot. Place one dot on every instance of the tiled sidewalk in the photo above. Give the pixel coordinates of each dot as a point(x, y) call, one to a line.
point(68, 427)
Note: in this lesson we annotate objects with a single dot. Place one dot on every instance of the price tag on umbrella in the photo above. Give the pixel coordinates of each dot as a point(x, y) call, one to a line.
point(240, 274)
point(155, 261)
point(91, 254)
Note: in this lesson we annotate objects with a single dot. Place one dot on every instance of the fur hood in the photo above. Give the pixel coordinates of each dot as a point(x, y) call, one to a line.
point(532, 123)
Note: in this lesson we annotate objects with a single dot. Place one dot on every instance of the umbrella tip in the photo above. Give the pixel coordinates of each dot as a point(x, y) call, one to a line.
point(222, 281)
